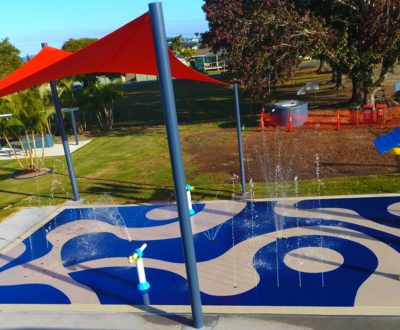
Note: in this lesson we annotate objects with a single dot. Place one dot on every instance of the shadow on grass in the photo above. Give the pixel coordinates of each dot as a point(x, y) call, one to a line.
point(132, 191)
point(120, 132)
point(166, 189)
point(249, 121)
point(32, 195)
point(9, 169)
point(5, 176)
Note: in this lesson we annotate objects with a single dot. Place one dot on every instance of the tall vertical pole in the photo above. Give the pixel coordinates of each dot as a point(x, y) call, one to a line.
point(239, 138)
point(64, 139)
point(74, 127)
point(167, 91)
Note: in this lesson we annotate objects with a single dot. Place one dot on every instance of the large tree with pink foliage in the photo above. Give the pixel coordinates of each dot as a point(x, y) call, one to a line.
point(265, 39)
point(366, 39)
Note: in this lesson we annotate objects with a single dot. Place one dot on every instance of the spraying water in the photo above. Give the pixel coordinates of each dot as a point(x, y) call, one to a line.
point(296, 192)
point(111, 214)
point(58, 185)
point(317, 174)
point(235, 180)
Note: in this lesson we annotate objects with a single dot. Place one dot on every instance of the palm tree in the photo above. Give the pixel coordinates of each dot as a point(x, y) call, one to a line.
point(100, 99)
point(31, 110)
point(13, 126)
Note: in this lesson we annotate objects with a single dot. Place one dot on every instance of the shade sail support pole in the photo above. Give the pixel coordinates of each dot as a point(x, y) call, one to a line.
point(239, 138)
point(64, 138)
point(168, 97)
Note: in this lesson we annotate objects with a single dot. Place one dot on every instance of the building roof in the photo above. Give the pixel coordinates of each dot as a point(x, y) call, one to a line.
point(203, 51)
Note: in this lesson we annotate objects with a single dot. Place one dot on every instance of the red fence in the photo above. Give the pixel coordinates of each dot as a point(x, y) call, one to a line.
point(366, 117)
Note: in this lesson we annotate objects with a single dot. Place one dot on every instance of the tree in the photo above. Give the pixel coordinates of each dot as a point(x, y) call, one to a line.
point(100, 100)
point(87, 80)
point(73, 45)
point(365, 43)
point(9, 58)
point(263, 41)
point(359, 38)
point(177, 46)
point(188, 53)
point(370, 31)
point(31, 110)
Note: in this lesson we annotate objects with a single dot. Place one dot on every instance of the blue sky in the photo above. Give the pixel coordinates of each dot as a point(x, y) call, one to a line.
point(27, 23)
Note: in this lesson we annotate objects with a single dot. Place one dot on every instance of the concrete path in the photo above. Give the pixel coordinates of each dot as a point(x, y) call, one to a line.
point(56, 150)
point(129, 321)
point(12, 228)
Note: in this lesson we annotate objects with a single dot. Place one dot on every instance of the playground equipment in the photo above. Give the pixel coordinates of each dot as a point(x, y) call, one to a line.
point(189, 188)
point(280, 113)
point(137, 257)
point(389, 142)
point(395, 151)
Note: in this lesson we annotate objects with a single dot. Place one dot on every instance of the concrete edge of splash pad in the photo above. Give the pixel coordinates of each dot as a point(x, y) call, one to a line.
point(21, 224)
point(185, 309)
point(128, 321)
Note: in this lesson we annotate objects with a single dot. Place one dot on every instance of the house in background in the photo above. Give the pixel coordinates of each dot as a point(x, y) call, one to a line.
point(192, 43)
point(206, 60)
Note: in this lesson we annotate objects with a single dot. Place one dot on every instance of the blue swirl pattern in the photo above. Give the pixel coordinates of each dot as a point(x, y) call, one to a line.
point(279, 285)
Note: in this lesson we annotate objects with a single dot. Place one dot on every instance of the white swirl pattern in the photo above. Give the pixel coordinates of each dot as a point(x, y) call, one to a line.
point(217, 275)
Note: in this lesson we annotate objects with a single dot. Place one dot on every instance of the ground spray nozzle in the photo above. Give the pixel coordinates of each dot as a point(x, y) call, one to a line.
point(138, 253)
point(137, 257)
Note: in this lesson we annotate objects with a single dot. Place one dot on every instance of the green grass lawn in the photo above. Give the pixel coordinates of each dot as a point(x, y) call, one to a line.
point(131, 164)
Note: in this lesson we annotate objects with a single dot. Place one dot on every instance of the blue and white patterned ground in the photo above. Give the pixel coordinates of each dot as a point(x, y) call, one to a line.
point(334, 252)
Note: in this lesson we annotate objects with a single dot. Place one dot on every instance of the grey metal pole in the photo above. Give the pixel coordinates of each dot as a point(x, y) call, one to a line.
point(239, 138)
point(167, 91)
point(74, 127)
point(64, 138)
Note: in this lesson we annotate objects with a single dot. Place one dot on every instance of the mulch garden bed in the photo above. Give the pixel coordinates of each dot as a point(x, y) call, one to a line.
point(276, 154)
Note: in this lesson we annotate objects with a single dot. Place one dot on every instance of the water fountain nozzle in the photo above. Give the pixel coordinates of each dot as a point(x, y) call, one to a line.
point(138, 253)
point(189, 189)
point(137, 257)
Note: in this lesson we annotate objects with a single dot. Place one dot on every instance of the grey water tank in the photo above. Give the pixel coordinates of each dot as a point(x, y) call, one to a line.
point(280, 113)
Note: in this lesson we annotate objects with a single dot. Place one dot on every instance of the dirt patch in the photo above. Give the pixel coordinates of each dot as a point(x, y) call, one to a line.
point(29, 174)
point(279, 155)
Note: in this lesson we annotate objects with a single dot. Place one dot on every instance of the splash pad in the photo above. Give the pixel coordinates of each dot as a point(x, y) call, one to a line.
point(330, 256)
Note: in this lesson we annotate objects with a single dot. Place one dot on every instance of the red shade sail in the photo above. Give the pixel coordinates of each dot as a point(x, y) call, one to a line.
point(46, 57)
point(129, 49)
